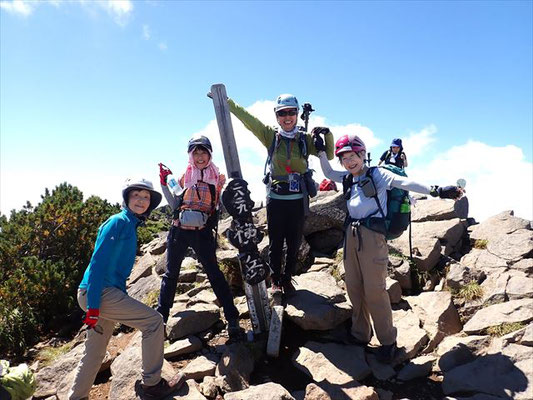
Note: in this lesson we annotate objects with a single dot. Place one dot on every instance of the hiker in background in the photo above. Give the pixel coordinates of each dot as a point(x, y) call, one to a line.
point(365, 248)
point(102, 294)
point(394, 155)
point(289, 183)
point(195, 217)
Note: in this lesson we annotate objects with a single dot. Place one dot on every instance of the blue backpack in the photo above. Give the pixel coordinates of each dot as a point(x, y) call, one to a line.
point(398, 215)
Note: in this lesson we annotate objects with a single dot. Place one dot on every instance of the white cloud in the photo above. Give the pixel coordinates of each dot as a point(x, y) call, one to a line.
point(162, 46)
point(119, 10)
point(20, 7)
point(417, 142)
point(146, 32)
point(498, 178)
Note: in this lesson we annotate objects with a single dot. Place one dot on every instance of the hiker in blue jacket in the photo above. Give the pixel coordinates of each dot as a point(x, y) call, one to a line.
point(102, 294)
point(395, 155)
point(365, 248)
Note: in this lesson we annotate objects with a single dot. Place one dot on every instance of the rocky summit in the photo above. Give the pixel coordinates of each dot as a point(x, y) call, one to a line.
point(463, 307)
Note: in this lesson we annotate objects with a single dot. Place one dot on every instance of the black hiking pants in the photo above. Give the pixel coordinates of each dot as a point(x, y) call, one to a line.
point(203, 243)
point(285, 220)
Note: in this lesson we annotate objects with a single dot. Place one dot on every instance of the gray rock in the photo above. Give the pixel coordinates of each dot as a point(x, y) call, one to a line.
point(338, 364)
point(205, 296)
point(502, 372)
point(157, 246)
point(126, 371)
point(417, 368)
point(458, 275)
point(326, 212)
point(318, 304)
point(411, 338)
point(428, 237)
point(327, 241)
point(160, 266)
point(200, 367)
point(432, 210)
point(525, 265)
point(189, 391)
point(512, 246)
point(236, 366)
point(142, 268)
point(208, 387)
point(394, 290)
point(402, 274)
point(458, 350)
point(327, 391)
point(503, 223)
point(482, 260)
point(527, 339)
point(144, 286)
point(381, 371)
point(438, 314)
point(184, 346)
point(519, 286)
point(511, 311)
point(265, 391)
point(188, 275)
point(193, 320)
point(50, 378)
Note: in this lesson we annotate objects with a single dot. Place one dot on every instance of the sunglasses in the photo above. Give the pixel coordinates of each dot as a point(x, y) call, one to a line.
point(284, 113)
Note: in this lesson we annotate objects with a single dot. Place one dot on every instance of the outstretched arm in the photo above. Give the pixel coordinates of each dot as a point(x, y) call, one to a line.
point(329, 172)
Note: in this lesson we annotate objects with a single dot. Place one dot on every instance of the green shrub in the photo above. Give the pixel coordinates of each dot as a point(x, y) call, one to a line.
point(505, 328)
point(470, 291)
point(480, 244)
point(44, 251)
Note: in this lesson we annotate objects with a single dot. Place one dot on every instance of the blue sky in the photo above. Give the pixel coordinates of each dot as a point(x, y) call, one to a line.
point(94, 91)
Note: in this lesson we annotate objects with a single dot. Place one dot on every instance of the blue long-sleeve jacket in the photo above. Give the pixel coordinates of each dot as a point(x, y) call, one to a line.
point(113, 256)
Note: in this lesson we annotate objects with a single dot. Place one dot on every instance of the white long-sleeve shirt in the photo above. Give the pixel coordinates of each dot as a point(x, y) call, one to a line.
point(360, 206)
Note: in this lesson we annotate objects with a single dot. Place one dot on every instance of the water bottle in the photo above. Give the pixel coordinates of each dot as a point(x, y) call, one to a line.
point(173, 185)
point(405, 207)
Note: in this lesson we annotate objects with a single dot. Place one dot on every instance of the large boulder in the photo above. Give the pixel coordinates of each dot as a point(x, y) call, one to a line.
point(512, 246)
point(483, 260)
point(504, 371)
point(411, 337)
point(336, 363)
point(503, 223)
point(458, 350)
point(432, 210)
point(192, 320)
point(326, 212)
point(318, 304)
point(438, 314)
point(236, 366)
point(427, 240)
point(508, 312)
point(327, 241)
point(126, 371)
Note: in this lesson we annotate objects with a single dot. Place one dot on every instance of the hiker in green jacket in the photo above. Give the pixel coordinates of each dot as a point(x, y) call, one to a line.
point(288, 181)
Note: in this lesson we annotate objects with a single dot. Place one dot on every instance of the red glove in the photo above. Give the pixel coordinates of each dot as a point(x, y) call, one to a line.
point(164, 171)
point(91, 317)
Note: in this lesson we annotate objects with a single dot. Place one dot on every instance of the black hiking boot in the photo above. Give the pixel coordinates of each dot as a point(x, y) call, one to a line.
point(288, 287)
point(386, 352)
point(235, 332)
point(163, 388)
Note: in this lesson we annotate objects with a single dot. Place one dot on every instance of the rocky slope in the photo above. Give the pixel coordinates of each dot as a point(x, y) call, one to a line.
point(463, 308)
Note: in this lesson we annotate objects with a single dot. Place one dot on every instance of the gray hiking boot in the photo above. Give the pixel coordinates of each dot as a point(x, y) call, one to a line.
point(163, 388)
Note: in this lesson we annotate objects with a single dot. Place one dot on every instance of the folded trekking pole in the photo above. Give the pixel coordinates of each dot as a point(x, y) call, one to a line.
point(307, 109)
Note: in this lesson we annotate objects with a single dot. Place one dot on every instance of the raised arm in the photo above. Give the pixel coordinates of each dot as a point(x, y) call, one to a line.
point(329, 172)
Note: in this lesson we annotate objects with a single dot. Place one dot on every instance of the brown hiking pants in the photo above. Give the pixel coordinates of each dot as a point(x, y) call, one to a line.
point(365, 262)
point(117, 306)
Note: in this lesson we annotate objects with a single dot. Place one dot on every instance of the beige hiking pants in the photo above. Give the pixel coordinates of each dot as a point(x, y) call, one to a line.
point(365, 262)
point(117, 306)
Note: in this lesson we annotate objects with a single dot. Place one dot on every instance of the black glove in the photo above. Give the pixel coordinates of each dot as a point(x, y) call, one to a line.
point(446, 192)
point(319, 142)
point(317, 130)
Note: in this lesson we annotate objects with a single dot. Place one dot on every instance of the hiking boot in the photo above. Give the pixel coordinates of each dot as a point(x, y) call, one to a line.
point(235, 332)
point(386, 353)
point(163, 388)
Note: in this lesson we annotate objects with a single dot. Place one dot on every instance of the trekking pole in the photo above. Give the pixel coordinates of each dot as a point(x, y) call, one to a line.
point(368, 160)
point(307, 109)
